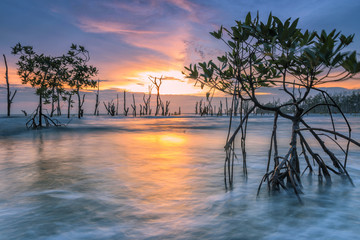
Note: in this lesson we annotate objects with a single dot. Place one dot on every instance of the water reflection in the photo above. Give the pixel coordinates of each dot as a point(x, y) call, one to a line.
point(160, 173)
point(120, 181)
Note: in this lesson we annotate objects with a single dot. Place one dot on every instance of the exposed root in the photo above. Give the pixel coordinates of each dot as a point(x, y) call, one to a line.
point(35, 121)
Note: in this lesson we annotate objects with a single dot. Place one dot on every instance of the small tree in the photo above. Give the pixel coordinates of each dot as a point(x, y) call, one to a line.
point(97, 102)
point(39, 71)
point(70, 102)
point(61, 96)
point(56, 83)
point(80, 72)
point(110, 108)
point(126, 109)
point(157, 83)
point(165, 108)
point(264, 54)
point(133, 106)
point(117, 103)
point(146, 100)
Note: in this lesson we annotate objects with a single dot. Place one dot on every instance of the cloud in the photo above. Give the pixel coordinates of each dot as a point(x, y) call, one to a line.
point(171, 78)
point(90, 25)
point(168, 44)
point(161, 26)
point(127, 39)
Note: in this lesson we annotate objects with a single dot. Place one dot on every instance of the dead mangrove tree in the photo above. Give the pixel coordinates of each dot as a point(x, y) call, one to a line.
point(10, 96)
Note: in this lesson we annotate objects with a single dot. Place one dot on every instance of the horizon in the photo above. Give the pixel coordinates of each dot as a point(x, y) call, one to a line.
point(27, 100)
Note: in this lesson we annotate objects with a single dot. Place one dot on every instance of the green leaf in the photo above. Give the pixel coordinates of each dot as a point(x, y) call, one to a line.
point(248, 19)
point(232, 44)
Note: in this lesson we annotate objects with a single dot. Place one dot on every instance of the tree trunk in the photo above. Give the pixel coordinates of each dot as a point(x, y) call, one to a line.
point(40, 110)
point(117, 104)
point(69, 106)
point(58, 109)
point(158, 102)
point(52, 102)
point(126, 109)
point(79, 104)
point(96, 111)
point(97, 103)
point(294, 159)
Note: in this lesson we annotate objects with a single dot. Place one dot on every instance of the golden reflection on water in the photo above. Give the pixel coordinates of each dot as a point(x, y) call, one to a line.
point(151, 176)
point(162, 139)
point(172, 139)
point(159, 170)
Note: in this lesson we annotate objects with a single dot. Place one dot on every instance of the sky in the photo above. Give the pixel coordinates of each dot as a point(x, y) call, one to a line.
point(131, 40)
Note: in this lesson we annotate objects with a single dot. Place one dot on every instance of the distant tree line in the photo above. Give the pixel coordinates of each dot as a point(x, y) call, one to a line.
point(348, 103)
point(143, 109)
point(207, 108)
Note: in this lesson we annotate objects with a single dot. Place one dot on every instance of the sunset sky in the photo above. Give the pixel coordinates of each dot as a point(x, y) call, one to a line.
point(130, 40)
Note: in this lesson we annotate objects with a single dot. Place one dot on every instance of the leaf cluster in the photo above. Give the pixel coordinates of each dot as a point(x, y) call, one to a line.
point(275, 52)
point(49, 74)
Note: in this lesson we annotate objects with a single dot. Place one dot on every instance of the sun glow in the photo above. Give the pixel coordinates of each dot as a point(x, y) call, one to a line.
point(173, 82)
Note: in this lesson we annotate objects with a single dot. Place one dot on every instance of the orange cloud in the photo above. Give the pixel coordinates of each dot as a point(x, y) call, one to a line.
point(348, 84)
point(353, 83)
point(169, 51)
point(171, 44)
point(12, 73)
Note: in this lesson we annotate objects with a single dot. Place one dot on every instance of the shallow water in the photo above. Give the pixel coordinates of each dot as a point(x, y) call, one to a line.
point(161, 178)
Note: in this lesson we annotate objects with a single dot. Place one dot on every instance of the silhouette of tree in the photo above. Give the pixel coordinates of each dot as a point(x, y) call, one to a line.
point(50, 75)
point(263, 54)
point(40, 71)
point(80, 73)
point(157, 83)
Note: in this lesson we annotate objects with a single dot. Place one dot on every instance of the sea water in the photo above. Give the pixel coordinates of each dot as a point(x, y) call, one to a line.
point(162, 178)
